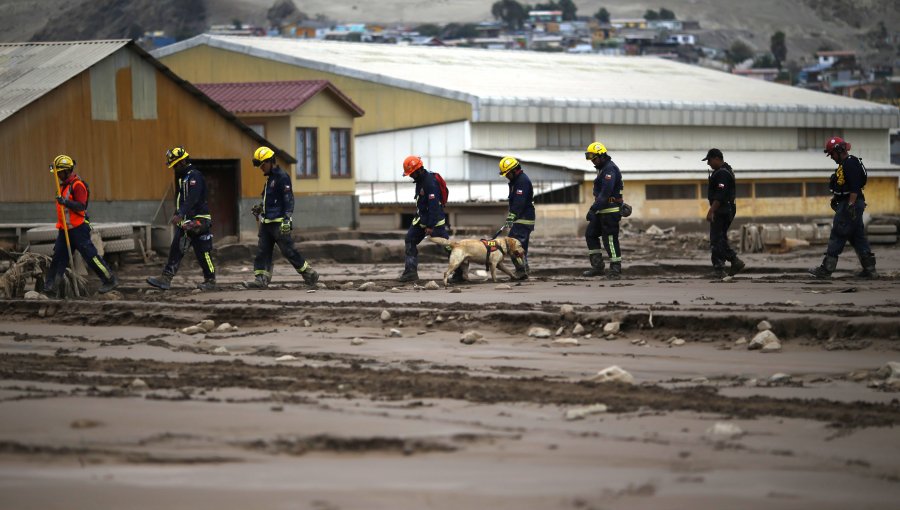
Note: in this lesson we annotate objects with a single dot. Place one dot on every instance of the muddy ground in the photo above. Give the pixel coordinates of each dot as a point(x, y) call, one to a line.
point(106, 404)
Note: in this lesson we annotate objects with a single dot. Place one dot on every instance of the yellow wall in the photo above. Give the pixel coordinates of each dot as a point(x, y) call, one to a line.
point(387, 108)
point(882, 197)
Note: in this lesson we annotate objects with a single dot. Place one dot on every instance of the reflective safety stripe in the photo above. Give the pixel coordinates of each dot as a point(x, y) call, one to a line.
point(609, 210)
point(100, 266)
point(263, 272)
point(209, 262)
point(599, 250)
point(438, 224)
point(415, 220)
point(525, 222)
point(303, 268)
point(203, 216)
point(613, 256)
point(276, 220)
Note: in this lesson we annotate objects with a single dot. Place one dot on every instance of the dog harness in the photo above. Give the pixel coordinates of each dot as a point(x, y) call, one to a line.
point(491, 245)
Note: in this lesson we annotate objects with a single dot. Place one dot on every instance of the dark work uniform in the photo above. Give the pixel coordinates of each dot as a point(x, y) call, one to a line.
point(278, 205)
point(606, 213)
point(521, 209)
point(848, 178)
point(191, 204)
point(722, 188)
point(429, 213)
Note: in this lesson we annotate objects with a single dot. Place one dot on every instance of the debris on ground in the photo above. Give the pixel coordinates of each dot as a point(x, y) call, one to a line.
point(613, 374)
point(580, 413)
point(28, 267)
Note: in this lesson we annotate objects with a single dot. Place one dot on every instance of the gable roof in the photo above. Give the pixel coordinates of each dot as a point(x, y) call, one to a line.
point(527, 86)
point(273, 96)
point(28, 71)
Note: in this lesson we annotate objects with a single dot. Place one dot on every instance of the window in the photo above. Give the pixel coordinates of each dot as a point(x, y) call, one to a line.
point(565, 136)
point(259, 129)
point(817, 189)
point(340, 152)
point(815, 138)
point(671, 191)
point(743, 190)
point(779, 189)
point(307, 160)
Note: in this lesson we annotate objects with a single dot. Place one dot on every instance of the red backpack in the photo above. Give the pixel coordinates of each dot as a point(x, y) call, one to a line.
point(443, 185)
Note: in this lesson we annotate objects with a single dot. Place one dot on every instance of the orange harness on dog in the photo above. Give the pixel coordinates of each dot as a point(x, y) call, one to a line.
point(491, 245)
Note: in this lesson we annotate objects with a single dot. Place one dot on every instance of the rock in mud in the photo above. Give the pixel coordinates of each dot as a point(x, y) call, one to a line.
point(455, 290)
point(761, 339)
point(771, 347)
point(560, 330)
point(357, 341)
point(395, 290)
point(385, 316)
point(538, 332)
point(306, 323)
point(470, 337)
point(226, 328)
point(138, 384)
point(31, 294)
point(780, 377)
point(723, 431)
point(321, 285)
point(394, 332)
point(763, 326)
point(677, 342)
point(193, 330)
point(578, 329)
point(580, 413)
point(366, 286)
point(207, 325)
point(565, 341)
point(439, 319)
point(890, 372)
point(612, 328)
point(432, 285)
point(221, 351)
point(567, 312)
point(613, 374)
point(348, 286)
point(740, 341)
point(503, 286)
point(286, 357)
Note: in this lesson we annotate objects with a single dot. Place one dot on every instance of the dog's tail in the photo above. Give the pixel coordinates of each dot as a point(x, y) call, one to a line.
point(440, 241)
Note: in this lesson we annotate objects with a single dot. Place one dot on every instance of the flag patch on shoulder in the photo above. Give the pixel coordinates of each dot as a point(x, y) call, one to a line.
point(518, 192)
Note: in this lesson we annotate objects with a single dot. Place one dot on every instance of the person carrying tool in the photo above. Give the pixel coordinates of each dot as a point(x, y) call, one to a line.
point(74, 229)
point(848, 203)
point(520, 216)
point(720, 193)
point(192, 222)
point(275, 223)
point(605, 214)
point(430, 218)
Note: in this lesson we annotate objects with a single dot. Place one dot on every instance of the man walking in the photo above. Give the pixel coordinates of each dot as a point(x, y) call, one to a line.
point(430, 218)
point(720, 193)
point(605, 214)
point(520, 216)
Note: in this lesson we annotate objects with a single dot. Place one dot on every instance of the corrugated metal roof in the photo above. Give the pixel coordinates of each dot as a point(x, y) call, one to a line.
point(30, 70)
point(673, 165)
point(272, 96)
point(514, 86)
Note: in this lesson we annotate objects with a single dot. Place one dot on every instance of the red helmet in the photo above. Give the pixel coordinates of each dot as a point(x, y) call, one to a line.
point(836, 144)
point(411, 164)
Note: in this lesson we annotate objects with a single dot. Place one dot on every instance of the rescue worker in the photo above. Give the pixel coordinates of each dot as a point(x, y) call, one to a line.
point(192, 222)
point(430, 218)
point(605, 214)
point(848, 203)
point(71, 208)
point(520, 217)
point(720, 193)
point(275, 223)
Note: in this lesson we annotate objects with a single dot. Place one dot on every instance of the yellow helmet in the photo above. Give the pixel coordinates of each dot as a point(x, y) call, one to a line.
point(62, 162)
point(174, 155)
point(508, 164)
point(595, 149)
point(261, 155)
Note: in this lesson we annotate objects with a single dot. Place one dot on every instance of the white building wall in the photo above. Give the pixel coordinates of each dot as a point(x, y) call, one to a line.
point(869, 144)
point(495, 135)
point(620, 137)
point(379, 156)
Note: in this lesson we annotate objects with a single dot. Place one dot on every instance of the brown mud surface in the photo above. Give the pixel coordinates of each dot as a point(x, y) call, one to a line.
point(317, 401)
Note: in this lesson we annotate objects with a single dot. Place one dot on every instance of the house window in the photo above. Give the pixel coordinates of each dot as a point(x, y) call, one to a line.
point(671, 191)
point(565, 136)
point(307, 160)
point(817, 189)
point(340, 152)
point(259, 129)
point(779, 189)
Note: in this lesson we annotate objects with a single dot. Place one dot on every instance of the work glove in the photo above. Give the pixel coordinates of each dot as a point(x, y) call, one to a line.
point(286, 225)
point(64, 202)
point(256, 210)
point(851, 210)
point(176, 220)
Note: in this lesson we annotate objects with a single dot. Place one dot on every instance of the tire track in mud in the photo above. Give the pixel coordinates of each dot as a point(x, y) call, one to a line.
point(392, 384)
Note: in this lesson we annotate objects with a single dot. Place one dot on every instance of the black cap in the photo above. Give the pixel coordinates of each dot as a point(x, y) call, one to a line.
point(713, 153)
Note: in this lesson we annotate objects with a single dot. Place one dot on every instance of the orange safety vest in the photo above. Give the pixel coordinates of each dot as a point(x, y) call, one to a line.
point(76, 218)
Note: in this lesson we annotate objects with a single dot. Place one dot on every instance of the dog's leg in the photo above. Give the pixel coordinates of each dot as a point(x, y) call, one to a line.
point(505, 270)
point(457, 257)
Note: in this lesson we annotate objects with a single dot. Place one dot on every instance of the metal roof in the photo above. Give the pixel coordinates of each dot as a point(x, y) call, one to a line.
point(674, 165)
point(30, 70)
point(525, 86)
point(273, 96)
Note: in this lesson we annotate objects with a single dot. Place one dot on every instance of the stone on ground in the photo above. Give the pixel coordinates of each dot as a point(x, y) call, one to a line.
point(761, 339)
point(432, 285)
point(579, 413)
point(538, 332)
point(612, 328)
point(613, 374)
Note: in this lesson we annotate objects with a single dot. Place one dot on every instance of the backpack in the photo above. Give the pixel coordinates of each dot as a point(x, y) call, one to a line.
point(442, 184)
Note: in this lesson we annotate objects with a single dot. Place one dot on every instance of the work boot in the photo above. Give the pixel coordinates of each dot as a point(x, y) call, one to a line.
point(718, 272)
point(615, 271)
point(824, 271)
point(50, 288)
point(868, 266)
point(260, 282)
point(208, 284)
point(109, 285)
point(736, 266)
point(597, 265)
point(457, 276)
point(164, 282)
point(310, 277)
point(409, 275)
